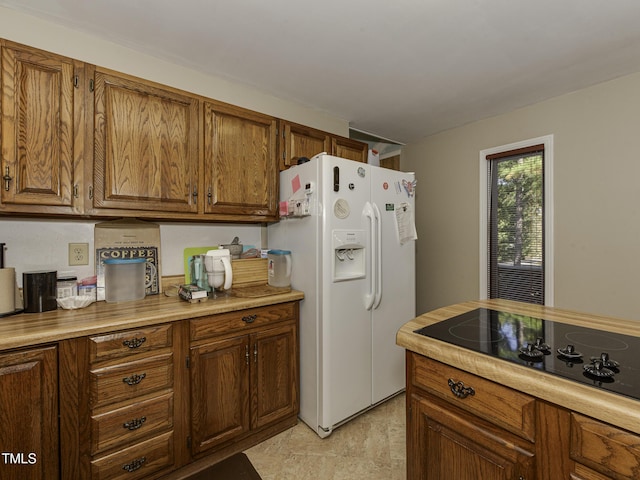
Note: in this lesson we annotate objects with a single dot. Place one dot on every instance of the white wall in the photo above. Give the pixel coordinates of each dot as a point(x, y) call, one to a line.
point(596, 190)
point(36, 244)
point(38, 33)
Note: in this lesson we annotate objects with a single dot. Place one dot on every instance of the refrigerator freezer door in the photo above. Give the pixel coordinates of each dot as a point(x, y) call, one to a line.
point(346, 329)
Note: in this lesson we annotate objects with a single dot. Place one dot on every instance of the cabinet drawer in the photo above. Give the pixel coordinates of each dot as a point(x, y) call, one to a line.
point(500, 405)
point(604, 448)
point(223, 323)
point(130, 342)
point(128, 424)
point(138, 461)
point(125, 381)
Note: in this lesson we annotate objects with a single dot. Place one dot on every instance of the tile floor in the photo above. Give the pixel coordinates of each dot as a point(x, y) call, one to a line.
point(371, 446)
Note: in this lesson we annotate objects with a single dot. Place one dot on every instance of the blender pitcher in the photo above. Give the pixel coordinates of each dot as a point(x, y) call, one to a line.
point(217, 263)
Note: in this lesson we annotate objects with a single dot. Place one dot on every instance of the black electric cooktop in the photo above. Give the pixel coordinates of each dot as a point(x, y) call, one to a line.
point(610, 361)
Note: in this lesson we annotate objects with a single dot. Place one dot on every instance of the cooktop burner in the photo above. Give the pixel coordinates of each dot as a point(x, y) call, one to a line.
point(601, 359)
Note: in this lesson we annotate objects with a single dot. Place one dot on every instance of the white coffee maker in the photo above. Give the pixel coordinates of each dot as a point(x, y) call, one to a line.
point(217, 263)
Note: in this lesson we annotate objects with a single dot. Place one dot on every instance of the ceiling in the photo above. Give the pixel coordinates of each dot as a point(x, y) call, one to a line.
point(400, 70)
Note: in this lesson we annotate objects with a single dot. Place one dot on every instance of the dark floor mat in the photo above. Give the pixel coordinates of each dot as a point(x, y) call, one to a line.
point(237, 467)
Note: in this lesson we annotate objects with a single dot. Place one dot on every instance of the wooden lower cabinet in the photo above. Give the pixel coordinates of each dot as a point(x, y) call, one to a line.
point(465, 427)
point(220, 392)
point(131, 401)
point(243, 382)
point(157, 402)
point(29, 414)
point(601, 451)
point(458, 445)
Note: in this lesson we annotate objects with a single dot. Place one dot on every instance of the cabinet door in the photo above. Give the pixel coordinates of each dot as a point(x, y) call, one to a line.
point(145, 145)
point(38, 130)
point(240, 163)
point(219, 392)
point(274, 377)
point(446, 443)
point(298, 141)
point(29, 412)
point(349, 149)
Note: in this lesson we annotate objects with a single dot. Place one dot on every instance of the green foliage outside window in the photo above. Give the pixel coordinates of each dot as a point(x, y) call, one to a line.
point(520, 207)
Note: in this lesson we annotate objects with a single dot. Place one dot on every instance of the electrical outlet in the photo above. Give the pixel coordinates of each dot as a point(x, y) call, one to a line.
point(78, 254)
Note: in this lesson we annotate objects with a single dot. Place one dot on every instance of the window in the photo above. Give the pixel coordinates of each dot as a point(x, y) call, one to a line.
point(516, 250)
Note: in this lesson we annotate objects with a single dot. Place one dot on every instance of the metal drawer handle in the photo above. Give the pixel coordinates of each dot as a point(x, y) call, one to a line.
point(135, 465)
point(134, 424)
point(249, 318)
point(135, 342)
point(134, 379)
point(459, 390)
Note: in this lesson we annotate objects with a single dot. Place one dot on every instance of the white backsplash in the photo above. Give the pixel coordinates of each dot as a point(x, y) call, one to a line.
point(44, 244)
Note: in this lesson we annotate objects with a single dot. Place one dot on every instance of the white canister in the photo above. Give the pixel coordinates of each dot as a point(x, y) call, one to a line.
point(279, 268)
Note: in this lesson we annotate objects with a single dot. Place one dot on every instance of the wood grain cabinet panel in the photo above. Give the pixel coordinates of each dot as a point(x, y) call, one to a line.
point(142, 460)
point(516, 411)
point(225, 323)
point(605, 449)
point(240, 162)
point(40, 128)
point(462, 426)
point(219, 392)
point(297, 141)
point(350, 149)
point(29, 414)
point(583, 473)
point(245, 382)
point(274, 375)
point(450, 443)
point(130, 342)
point(113, 384)
point(132, 402)
point(128, 424)
point(79, 139)
point(145, 145)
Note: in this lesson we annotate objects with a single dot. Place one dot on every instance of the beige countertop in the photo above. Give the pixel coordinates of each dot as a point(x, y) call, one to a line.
point(27, 329)
point(609, 407)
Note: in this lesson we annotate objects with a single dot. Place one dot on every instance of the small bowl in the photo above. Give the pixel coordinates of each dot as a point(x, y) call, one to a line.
point(77, 301)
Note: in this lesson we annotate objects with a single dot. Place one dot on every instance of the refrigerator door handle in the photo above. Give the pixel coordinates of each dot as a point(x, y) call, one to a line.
point(377, 254)
point(370, 296)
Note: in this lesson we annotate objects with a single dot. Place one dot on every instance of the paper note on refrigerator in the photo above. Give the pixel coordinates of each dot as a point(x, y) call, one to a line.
point(405, 222)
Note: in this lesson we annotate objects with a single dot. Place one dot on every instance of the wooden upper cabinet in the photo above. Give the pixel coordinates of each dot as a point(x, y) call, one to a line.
point(349, 149)
point(145, 145)
point(240, 164)
point(41, 122)
point(298, 141)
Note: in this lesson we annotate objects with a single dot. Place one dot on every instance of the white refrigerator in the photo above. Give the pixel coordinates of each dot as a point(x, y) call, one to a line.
point(350, 228)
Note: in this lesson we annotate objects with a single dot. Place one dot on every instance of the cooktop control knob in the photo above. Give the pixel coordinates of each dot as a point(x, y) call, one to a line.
point(531, 352)
point(598, 369)
point(540, 345)
point(606, 361)
point(569, 352)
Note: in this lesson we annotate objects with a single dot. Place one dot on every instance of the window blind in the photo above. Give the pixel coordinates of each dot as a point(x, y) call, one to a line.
point(516, 225)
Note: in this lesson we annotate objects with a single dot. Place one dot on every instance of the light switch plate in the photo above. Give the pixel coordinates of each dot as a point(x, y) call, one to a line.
point(78, 254)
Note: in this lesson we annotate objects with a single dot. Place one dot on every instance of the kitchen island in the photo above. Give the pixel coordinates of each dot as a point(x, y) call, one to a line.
point(154, 388)
point(473, 415)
